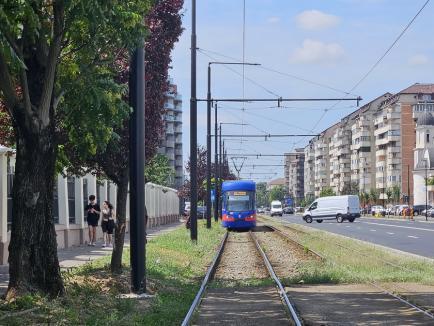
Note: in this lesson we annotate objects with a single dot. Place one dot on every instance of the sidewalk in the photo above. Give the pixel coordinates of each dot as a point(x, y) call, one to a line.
point(78, 256)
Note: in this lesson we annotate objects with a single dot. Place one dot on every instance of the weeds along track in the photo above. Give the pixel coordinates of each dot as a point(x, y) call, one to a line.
point(291, 234)
point(242, 291)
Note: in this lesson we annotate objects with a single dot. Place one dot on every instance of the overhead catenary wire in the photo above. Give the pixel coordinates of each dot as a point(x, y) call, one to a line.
point(282, 73)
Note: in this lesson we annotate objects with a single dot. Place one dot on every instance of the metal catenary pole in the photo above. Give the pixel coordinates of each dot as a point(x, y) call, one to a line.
point(216, 190)
point(137, 173)
point(426, 189)
point(208, 152)
point(220, 172)
point(193, 130)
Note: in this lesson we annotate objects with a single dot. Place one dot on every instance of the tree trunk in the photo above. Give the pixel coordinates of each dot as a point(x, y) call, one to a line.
point(33, 261)
point(121, 211)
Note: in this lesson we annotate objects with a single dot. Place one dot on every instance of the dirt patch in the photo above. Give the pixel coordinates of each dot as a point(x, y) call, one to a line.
point(240, 260)
point(355, 304)
point(285, 256)
point(242, 306)
point(418, 294)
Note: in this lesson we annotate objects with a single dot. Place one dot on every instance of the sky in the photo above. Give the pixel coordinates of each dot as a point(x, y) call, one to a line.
point(307, 49)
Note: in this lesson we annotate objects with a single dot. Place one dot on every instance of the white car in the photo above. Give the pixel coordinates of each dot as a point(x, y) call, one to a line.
point(400, 209)
point(378, 209)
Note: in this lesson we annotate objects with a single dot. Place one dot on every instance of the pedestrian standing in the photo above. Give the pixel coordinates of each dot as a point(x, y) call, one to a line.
point(108, 223)
point(93, 211)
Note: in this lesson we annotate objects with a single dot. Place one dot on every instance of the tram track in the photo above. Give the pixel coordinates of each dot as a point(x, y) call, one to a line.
point(376, 285)
point(285, 297)
point(280, 299)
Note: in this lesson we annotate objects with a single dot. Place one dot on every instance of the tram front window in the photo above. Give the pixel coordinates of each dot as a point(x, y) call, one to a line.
point(240, 201)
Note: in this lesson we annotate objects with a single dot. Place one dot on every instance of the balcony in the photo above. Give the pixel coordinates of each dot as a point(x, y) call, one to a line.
point(380, 163)
point(168, 105)
point(419, 108)
point(178, 162)
point(394, 160)
point(178, 139)
point(178, 151)
point(381, 141)
point(178, 129)
point(393, 115)
point(380, 152)
point(394, 149)
point(178, 97)
point(169, 129)
point(170, 143)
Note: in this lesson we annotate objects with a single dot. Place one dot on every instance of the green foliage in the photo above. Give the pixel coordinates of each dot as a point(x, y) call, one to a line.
point(396, 193)
point(374, 195)
point(261, 194)
point(327, 191)
point(277, 193)
point(159, 171)
point(364, 197)
point(389, 194)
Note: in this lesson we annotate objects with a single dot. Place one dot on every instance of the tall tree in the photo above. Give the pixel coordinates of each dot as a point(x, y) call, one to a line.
point(39, 42)
point(159, 171)
point(164, 25)
point(327, 191)
point(277, 193)
point(262, 194)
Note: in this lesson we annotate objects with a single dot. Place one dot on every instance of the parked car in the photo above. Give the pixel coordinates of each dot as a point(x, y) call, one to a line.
point(417, 209)
point(430, 212)
point(378, 209)
point(260, 210)
point(288, 210)
point(299, 209)
point(390, 209)
point(201, 212)
point(276, 208)
point(400, 208)
point(333, 207)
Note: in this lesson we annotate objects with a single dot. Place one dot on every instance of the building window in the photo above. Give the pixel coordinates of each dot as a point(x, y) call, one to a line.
point(71, 199)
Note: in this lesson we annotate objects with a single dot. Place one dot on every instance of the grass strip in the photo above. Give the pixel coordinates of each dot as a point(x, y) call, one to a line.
point(352, 261)
point(175, 268)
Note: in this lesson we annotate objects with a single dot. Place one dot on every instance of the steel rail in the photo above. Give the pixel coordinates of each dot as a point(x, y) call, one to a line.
point(386, 291)
point(282, 291)
point(205, 281)
point(287, 237)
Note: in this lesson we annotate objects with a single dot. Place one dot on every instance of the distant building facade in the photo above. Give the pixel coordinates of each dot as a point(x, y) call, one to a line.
point(372, 148)
point(171, 144)
point(294, 174)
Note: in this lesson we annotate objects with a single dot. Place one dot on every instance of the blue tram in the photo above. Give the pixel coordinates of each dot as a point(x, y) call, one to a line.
point(238, 204)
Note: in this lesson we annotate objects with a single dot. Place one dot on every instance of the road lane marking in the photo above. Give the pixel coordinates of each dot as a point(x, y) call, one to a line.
point(373, 230)
point(400, 226)
point(391, 233)
point(412, 236)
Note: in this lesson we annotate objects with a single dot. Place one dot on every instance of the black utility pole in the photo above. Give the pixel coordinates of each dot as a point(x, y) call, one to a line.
point(208, 142)
point(193, 129)
point(408, 184)
point(137, 173)
point(208, 152)
point(220, 171)
point(216, 172)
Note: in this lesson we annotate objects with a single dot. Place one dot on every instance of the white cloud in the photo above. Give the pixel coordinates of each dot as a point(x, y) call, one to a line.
point(418, 60)
point(317, 52)
point(316, 20)
point(273, 20)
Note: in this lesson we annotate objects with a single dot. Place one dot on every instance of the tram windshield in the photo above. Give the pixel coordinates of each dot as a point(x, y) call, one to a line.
point(240, 201)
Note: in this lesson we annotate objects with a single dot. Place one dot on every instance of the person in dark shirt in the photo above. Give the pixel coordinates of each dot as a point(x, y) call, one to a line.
point(93, 211)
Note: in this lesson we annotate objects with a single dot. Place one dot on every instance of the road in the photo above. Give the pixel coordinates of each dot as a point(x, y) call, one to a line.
point(415, 237)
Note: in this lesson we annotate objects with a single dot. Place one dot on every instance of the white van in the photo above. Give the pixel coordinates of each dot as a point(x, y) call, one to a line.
point(276, 208)
point(335, 207)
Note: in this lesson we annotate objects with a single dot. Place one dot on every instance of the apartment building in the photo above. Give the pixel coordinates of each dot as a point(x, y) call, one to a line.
point(322, 159)
point(395, 139)
point(363, 150)
point(309, 170)
point(171, 144)
point(294, 173)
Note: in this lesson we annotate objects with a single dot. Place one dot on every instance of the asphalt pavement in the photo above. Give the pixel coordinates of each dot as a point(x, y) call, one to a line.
point(416, 237)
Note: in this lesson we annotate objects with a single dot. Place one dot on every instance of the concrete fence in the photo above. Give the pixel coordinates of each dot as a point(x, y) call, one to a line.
point(70, 199)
